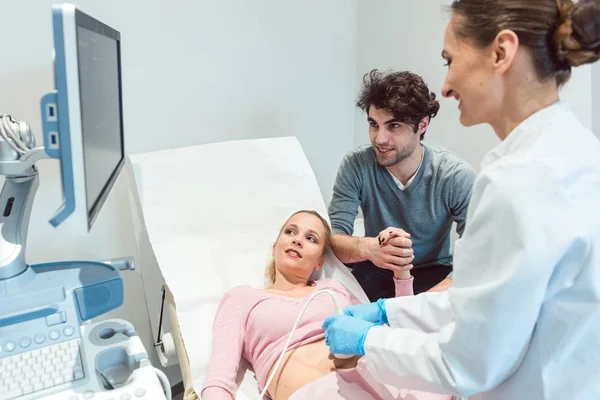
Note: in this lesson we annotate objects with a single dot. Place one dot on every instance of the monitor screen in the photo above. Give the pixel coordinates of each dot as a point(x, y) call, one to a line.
point(82, 118)
point(98, 53)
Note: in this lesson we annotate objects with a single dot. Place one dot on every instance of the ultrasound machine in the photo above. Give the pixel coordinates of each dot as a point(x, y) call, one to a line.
point(49, 348)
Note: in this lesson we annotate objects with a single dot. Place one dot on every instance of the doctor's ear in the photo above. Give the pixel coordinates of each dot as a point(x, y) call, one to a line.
point(504, 49)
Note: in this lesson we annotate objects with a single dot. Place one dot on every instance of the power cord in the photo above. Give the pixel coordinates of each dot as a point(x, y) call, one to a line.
point(12, 132)
point(164, 381)
point(287, 343)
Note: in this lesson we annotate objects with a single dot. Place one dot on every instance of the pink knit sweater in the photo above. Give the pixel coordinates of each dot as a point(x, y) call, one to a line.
point(255, 324)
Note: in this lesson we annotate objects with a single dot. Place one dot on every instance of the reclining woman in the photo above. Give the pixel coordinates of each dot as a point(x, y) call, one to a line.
point(255, 324)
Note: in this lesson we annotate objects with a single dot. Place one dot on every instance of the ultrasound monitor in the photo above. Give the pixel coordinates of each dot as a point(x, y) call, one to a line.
point(83, 118)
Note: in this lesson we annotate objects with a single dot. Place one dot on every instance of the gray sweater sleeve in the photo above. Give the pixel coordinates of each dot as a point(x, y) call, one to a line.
point(346, 198)
point(460, 194)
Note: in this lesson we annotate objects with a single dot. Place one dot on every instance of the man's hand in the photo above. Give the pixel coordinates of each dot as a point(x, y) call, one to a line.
point(392, 249)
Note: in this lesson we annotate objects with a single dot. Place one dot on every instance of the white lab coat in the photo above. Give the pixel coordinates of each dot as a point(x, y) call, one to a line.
point(523, 318)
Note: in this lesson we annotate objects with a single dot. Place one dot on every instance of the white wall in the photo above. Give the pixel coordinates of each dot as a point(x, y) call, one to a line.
point(596, 98)
point(193, 72)
point(408, 35)
point(226, 70)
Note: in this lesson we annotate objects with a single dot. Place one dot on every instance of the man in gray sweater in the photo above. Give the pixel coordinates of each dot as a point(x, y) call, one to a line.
point(410, 193)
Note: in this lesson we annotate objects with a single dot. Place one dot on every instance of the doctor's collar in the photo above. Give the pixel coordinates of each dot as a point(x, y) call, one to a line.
point(536, 122)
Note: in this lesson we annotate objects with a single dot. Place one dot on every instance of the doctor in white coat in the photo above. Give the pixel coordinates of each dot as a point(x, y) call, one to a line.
point(523, 318)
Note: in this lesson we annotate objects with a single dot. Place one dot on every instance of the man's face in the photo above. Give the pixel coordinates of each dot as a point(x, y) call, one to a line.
point(392, 140)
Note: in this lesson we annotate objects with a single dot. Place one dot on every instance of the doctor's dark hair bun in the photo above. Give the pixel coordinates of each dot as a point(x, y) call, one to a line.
point(559, 34)
point(403, 94)
point(577, 38)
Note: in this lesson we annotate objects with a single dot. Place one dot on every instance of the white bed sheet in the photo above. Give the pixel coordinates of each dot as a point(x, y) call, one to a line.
point(212, 213)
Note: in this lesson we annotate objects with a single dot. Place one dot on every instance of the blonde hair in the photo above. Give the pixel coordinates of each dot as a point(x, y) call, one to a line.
point(271, 268)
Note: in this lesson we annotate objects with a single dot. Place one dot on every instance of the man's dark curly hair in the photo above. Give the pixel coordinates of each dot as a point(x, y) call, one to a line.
point(404, 94)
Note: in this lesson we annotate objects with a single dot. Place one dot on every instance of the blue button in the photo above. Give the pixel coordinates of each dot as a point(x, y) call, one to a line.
point(39, 338)
point(56, 318)
point(25, 342)
point(10, 346)
point(68, 331)
point(54, 334)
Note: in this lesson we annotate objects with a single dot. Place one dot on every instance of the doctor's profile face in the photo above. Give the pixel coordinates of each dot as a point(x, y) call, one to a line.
point(301, 245)
point(392, 140)
point(471, 78)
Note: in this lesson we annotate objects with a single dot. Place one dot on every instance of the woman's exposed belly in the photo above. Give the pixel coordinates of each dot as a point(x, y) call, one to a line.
point(303, 365)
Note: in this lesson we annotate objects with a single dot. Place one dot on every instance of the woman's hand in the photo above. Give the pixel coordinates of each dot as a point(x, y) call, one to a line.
point(392, 250)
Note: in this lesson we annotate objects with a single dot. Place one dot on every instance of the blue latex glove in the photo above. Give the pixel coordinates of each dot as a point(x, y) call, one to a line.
point(346, 335)
point(372, 312)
